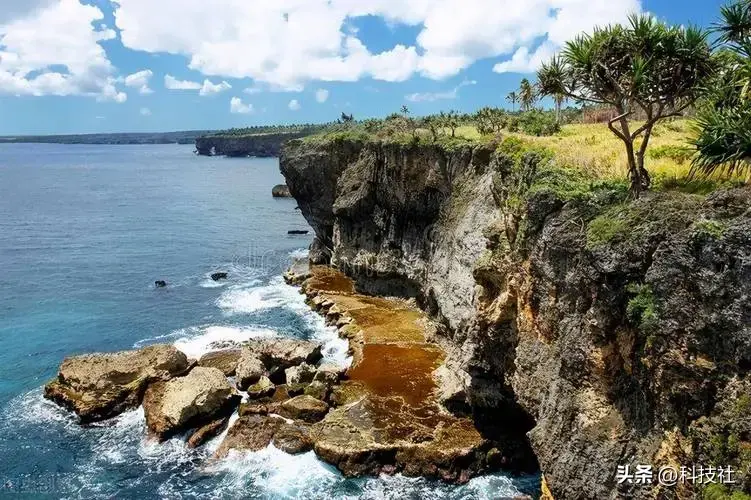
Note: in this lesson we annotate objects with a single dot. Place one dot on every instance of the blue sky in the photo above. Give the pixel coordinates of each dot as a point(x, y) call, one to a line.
point(80, 66)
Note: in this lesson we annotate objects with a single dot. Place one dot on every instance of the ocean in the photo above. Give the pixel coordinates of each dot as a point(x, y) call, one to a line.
point(84, 233)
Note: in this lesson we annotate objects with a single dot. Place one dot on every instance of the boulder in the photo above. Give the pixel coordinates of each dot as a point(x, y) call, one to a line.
point(226, 360)
point(285, 353)
point(249, 370)
point(318, 390)
point(102, 385)
point(300, 374)
point(187, 402)
point(280, 191)
point(208, 431)
point(297, 231)
point(329, 374)
point(292, 439)
point(261, 389)
point(305, 408)
point(160, 283)
point(249, 433)
point(219, 276)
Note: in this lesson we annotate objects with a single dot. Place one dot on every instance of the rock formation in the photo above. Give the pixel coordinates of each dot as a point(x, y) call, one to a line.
point(102, 385)
point(188, 402)
point(609, 332)
point(280, 191)
point(259, 145)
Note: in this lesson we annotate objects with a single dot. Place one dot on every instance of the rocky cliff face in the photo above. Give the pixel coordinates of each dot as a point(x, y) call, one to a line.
point(260, 145)
point(612, 332)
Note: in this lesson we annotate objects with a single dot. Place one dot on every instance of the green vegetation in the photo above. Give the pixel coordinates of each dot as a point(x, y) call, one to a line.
point(712, 228)
point(723, 137)
point(641, 309)
point(716, 491)
point(646, 66)
point(624, 223)
point(271, 129)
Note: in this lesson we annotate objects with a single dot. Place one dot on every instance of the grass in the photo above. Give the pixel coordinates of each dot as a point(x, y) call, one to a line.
point(591, 149)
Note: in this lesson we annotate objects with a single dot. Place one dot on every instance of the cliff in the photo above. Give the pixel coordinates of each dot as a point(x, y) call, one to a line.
point(261, 145)
point(611, 332)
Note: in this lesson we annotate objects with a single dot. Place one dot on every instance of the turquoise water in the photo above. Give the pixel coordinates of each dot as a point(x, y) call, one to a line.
point(84, 232)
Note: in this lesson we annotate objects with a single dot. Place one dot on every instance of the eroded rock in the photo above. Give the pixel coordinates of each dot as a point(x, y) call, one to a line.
point(226, 360)
point(187, 402)
point(300, 374)
point(102, 385)
point(207, 432)
point(249, 370)
point(250, 433)
point(285, 352)
point(305, 408)
point(261, 389)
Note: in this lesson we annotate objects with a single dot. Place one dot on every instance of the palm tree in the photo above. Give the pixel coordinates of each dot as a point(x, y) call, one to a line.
point(513, 98)
point(527, 95)
point(404, 110)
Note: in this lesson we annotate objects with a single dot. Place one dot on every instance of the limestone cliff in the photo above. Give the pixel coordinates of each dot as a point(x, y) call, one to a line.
point(261, 145)
point(611, 332)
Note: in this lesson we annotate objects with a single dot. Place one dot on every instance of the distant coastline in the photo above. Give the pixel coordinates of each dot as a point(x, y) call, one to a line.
point(182, 137)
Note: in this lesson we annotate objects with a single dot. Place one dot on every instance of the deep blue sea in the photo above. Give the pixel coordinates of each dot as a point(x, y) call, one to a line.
point(84, 233)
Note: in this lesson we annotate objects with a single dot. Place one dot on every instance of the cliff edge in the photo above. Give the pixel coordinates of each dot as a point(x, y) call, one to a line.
point(611, 332)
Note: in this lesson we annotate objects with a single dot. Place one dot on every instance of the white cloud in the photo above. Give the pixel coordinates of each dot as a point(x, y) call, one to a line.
point(237, 106)
point(322, 95)
point(52, 48)
point(437, 96)
point(294, 42)
point(172, 83)
point(524, 61)
point(294, 105)
point(209, 88)
point(145, 112)
point(140, 81)
point(253, 90)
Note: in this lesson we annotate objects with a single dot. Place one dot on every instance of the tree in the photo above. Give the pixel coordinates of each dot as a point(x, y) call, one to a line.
point(723, 142)
point(347, 118)
point(558, 99)
point(450, 121)
point(527, 95)
point(645, 66)
point(404, 110)
point(513, 98)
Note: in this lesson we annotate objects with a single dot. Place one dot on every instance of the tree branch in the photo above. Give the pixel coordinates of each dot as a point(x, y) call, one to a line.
point(620, 134)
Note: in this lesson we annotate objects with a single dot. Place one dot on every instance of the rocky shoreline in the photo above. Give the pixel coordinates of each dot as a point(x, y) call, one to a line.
point(608, 332)
point(381, 415)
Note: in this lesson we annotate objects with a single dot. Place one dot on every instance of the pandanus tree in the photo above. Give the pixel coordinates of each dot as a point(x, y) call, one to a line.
point(643, 68)
point(723, 141)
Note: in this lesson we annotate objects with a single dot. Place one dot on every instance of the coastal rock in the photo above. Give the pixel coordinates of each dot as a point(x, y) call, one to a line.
point(318, 390)
point(305, 408)
point(302, 373)
point(160, 284)
point(329, 374)
point(226, 360)
point(280, 191)
point(261, 389)
point(102, 385)
point(249, 369)
point(219, 276)
point(249, 433)
point(187, 402)
point(292, 439)
point(285, 352)
point(207, 432)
